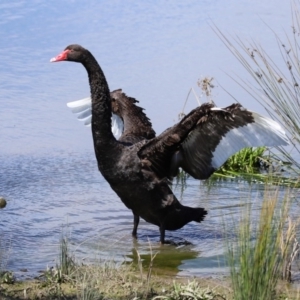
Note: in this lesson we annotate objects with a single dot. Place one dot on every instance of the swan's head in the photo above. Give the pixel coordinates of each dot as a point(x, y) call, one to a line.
point(71, 53)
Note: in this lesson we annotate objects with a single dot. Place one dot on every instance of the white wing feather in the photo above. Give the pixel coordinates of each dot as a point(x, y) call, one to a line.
point(83, 110)
point(263, 132)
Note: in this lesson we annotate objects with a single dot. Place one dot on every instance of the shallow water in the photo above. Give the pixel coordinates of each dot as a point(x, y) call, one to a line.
point(48, 172)
point(65, 194)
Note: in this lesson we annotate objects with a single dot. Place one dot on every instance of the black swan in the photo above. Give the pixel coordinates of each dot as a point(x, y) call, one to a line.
point(200, 143)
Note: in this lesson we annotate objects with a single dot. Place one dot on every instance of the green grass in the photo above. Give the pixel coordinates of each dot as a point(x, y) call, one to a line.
point(5, 276)
point(66, 266)
point(251, 165)
point(248, 160)
point(263, 250)
point(255, 165)
point(192, 290)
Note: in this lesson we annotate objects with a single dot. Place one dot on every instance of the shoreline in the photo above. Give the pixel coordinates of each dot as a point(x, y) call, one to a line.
point(126, 282)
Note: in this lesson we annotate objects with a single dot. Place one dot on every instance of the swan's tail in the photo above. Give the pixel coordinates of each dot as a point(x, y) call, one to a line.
point(198, 214)
point(179, 218)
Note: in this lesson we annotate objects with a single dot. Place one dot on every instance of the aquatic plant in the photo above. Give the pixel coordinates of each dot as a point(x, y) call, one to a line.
point(289, 248)
point(149, 272)
point(65, 267)
point(250, 165)
point(5, 276)
point(262, 250)
point(66, 261)
point(256, 165)
point(248, 160)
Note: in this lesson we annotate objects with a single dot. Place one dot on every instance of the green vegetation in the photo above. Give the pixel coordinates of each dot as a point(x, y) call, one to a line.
point(248, 160)
point(66, 267)
point(190, 290)
point(251, 165)
point(263, 250)
point(5, 276)
point(254, 165)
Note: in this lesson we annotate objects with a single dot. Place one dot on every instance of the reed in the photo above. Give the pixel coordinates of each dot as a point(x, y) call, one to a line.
point(263, 249)
point(66, 261)
point(275, 84)
point(65, 267)
point(289, 248)
point(5, 276)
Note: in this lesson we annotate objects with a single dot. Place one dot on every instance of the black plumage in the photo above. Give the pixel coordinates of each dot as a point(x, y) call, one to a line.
point(138, 168)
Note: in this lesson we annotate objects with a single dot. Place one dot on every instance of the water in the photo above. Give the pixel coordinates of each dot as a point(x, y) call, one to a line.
point(64, 193)
point(48, 171)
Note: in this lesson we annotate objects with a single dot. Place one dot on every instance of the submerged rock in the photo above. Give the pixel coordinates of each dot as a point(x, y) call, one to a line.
point(2, 202)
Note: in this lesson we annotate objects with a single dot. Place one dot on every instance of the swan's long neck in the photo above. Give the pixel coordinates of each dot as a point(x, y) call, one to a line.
point(107, 149)
point(101, 105)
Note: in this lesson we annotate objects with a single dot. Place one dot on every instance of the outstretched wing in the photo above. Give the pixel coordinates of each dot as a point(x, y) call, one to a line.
point(210, 144)
point(206, 138)
point(137, 125)
point(129, 122)
point(83, 110)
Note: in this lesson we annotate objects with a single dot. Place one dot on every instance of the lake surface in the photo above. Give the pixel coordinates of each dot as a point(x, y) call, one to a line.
point(64, 194)
point(155, 53)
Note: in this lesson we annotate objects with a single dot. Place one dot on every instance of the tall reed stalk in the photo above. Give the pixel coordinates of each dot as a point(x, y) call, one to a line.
point(275, 84)
point(257, 255)
point(5, 276)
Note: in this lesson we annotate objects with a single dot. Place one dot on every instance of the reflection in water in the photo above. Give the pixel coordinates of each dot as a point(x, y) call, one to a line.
point(167, 259)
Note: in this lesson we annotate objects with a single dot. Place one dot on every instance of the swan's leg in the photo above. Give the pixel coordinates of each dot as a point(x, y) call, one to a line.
point(162, 233)
point(136, 220)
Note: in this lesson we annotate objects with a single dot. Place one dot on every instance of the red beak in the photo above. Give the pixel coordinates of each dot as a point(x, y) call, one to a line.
point(60, 57)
